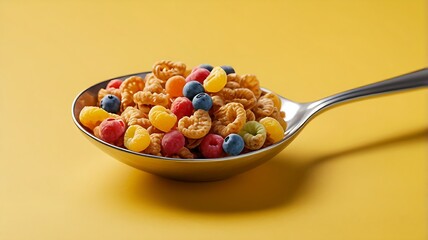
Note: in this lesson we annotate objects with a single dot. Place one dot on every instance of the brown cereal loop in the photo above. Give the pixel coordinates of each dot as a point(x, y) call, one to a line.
point(239, 95)
point(229, 119)
point(250, 115)
point(128, 87)
point(166, 69)
point(149, 98)
point(193, 143)
point(153, 85)
point(263, 108)
point(152, 129)
point(113, 91)
point(155, 145)
point(217, 102)
point(185, 153)
point(133, 116)
point(251, 82)
point(196, 126)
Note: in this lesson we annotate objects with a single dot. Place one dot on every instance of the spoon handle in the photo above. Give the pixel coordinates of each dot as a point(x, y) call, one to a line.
point(407, 81)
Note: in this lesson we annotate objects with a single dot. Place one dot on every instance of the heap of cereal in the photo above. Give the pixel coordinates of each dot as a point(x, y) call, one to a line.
point(208, 112)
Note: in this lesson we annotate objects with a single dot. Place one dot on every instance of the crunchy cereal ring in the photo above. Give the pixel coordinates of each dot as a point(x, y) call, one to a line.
point(133, 116)
point(103, 92)
point(185, 153)
point(152, 129)
point(263, 108)
point(153, 84)
point(149, 98)
point(230, 118)
point(128, 87)
point(254, 135)
point(239, 95)
point(250, 115)
point(218, 102)
point(155, 146)
point(232, 85)
point(166, 69)
point(196, 126)
point(251, 82)
point(193, 143)
point(276, 101)
point(233, 77)
point(144, 108)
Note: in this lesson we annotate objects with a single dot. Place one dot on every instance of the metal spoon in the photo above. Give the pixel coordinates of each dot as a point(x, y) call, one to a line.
point(297, 116)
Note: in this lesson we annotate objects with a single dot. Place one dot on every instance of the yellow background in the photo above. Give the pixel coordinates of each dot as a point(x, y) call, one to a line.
point(356, 172)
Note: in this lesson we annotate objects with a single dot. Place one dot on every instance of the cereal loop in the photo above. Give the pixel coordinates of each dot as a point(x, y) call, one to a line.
point(128, 88)
point(166, 69)
point(196, 126)
point(251, 82)
point(133, 116)
point(148, 98)
point(155, 146)
point(263, 108)
point(229, 119)
point(239, 95)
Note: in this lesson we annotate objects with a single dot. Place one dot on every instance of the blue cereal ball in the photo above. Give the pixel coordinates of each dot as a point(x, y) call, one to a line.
point(228, 69)
point(202, 101)
point(233, 144)
point(206, 66)
point(110, 103)
point(192, 88)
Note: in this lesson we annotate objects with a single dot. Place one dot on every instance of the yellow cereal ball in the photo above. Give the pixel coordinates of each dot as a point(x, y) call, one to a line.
point(91, 116)
point(136, 138)
point(216, 80)
point(162, 118)
point(273, 128)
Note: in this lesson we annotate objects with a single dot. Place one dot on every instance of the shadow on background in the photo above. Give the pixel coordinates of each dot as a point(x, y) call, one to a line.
point(278, 182)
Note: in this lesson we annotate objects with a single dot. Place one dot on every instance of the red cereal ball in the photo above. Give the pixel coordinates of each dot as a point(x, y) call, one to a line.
point(111, 130)
point(172, 142)
point(174, 86)
point(198, 74)
point(181, 107)
point(212, 146)
point(115, 83)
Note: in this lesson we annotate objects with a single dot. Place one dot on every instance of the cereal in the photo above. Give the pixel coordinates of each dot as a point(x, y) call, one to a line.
point(91, 117)
point(275, 99)
point(185, 153)
point(163, 70)
point(230, 118)
point(251, 82)
point(134, 116)
point(149, 98)
point(254, 135)
point(196, 126)
point(239, 95)
point(128, 88)
point(180, 112)
point(136, 138)
point(162, 118)
point(193, 143)
point(154, 147)
point(216, 80)
point(174, 86)
point(274, 130)
point(264, 107)
point(250, 115)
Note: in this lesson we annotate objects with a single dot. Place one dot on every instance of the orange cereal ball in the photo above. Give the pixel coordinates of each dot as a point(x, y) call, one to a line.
point(174, 86)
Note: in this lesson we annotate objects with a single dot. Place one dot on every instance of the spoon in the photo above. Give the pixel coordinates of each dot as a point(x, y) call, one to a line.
point(297, 116)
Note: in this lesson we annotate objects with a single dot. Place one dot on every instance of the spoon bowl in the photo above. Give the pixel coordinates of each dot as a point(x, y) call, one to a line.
point(297, 116)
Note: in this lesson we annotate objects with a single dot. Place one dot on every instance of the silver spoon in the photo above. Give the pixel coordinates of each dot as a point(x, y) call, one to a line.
point(297, 116)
